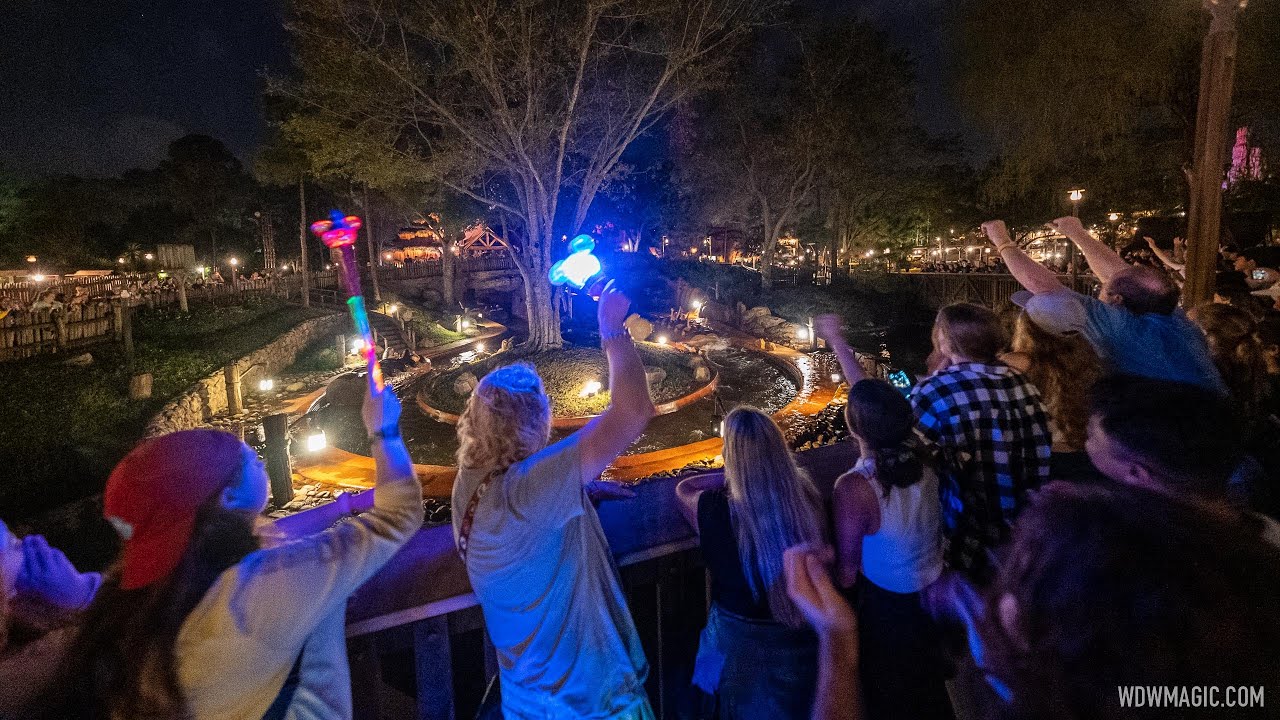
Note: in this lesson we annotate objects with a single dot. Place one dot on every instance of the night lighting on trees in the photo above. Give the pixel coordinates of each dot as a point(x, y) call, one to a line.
point(266, 385)
point(802, 333)
point(479, 347)
point(662, 339)
point(1077, 195)
point(234, 262)
point(31, 258)
point(149, 256)
point(1114, 217)
point(696, 305)
point(591, 388)
point(38, 277)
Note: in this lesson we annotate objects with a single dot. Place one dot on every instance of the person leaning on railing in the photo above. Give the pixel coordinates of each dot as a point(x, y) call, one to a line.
point(198, 619)
point(532, 544)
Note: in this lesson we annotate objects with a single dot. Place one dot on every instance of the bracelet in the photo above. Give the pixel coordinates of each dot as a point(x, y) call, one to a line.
point(386, 434)
point(606, 337)
point(1006, 246)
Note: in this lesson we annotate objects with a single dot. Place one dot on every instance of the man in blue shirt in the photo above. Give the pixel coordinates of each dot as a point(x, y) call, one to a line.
point(1134, 324)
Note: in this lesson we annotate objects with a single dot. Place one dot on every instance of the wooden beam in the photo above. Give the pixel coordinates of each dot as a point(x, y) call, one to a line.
point(1204, 217)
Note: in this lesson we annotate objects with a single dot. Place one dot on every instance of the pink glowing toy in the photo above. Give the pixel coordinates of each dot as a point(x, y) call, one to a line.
point(340, 232)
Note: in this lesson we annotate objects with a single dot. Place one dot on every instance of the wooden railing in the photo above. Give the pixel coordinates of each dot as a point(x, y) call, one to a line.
point(416, 637)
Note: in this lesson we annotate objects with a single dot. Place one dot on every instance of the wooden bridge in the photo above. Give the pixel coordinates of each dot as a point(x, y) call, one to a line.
point(987, 289)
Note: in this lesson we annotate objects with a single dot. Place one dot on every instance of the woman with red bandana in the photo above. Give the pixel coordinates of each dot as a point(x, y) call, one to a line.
point(199, 620)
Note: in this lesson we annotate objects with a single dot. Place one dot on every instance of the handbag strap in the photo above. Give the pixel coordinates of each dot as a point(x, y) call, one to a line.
point(469, 516)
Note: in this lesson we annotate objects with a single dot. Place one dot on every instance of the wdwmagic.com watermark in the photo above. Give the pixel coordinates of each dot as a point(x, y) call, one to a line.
point(1192, 696)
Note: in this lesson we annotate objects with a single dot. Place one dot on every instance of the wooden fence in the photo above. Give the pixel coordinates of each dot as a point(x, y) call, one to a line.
point(23, 334)
point(103, 317)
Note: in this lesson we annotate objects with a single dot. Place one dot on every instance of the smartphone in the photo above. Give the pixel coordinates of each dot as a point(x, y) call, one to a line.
point(1259, 274)
point(901, 380)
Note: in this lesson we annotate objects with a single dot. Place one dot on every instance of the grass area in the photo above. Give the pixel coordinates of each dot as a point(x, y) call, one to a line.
point(428, 325)
point(564, 372)
point(64, 427)
point(319, 356)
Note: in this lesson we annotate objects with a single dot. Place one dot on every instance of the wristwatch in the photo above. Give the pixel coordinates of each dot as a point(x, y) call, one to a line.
point(606, 337)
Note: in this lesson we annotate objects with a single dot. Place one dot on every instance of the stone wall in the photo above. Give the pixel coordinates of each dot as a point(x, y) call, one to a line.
point(208, 396)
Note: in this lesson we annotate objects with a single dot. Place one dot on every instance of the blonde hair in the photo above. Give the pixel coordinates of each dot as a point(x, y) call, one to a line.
point(1064, 368)
point(507, 419)
point(773, 505)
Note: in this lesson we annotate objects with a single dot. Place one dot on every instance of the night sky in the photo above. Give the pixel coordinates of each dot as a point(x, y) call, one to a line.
point(96, 88)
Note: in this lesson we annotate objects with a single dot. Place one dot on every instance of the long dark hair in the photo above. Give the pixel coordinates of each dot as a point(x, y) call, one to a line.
point(879, 415)
point(122, 664)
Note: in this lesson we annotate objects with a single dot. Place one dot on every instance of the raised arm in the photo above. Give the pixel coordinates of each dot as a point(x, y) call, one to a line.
point(828, 328)
point(1104, 261)
point(630, 408)
point(1030, 274)
point(839, 692)
point(1165, 257)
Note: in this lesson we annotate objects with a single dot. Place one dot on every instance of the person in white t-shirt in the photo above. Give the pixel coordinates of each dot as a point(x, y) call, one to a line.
point(534, 550)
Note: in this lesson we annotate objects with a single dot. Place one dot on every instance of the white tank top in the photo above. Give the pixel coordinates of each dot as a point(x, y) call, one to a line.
point(905, 554)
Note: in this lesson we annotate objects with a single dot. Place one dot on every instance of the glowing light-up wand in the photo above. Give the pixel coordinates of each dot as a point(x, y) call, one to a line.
point(580, 268)
point(340, 232)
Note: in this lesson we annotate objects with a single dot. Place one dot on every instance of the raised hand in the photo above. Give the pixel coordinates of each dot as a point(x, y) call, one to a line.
point(809, 586)
point(997, 232)
point(612, 309)
point(381, 412)
point(48, 575)
point(829, 327)
point(1069, 226)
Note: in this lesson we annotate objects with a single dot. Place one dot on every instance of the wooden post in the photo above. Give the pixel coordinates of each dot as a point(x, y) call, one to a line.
point(117, 317)
point(302, 239)
point(1204, 217)
point(126, 333)
point(231, 376)
point(140, 386)
point(60, 326)
point(433, 663)
point(181, 277)
point(279, 470)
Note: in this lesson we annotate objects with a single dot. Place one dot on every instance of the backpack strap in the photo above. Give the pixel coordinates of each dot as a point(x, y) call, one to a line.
point(469, 517)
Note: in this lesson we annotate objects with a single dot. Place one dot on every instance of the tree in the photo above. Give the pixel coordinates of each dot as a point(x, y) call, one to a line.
point(526, 106)
point(1100, 94)
point(283, 162)
point(205, 180)
point(814, 131)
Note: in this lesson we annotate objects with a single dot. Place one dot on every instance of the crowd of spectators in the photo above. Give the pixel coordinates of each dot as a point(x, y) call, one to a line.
point(1048, 517)
point(989, 265)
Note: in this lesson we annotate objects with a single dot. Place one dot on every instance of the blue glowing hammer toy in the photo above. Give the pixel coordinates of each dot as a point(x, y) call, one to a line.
point(580, 268)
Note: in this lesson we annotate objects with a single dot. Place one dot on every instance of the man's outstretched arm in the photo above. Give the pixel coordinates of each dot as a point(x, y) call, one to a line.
point(1104, 261)
point(1029, 273)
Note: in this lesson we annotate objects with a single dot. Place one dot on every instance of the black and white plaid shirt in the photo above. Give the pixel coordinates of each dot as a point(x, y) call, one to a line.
point(992, 420)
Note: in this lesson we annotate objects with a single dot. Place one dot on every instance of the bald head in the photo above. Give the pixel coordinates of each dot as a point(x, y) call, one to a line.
point(1142, 290)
